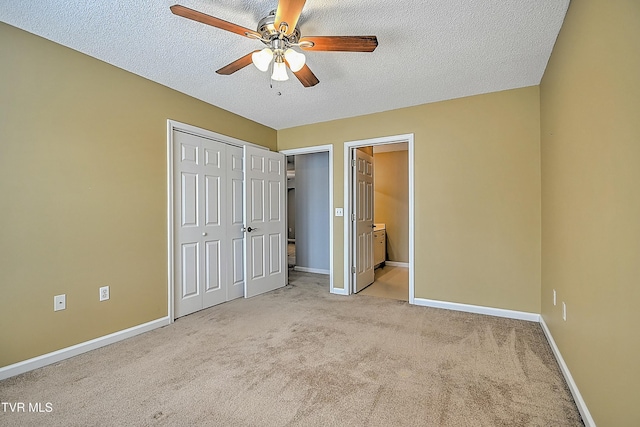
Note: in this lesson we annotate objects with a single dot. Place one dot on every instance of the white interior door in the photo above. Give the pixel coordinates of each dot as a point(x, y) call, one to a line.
point(208, 213)
point(363, 207)
point(235, 232)
point(265, 221)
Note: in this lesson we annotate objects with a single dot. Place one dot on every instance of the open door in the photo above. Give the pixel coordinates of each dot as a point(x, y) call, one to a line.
point(363, 208)
point(265, 221)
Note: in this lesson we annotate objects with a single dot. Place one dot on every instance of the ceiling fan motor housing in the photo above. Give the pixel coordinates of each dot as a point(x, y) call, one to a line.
point(268, 30)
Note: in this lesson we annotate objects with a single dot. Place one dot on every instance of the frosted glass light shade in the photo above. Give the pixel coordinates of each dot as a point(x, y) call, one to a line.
point(279, 72)
point(295, 59)
point(262, 59)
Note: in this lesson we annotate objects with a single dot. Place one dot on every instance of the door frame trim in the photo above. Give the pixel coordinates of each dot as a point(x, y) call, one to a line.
point(173, 125)
point(322, 149)
point(348, 204)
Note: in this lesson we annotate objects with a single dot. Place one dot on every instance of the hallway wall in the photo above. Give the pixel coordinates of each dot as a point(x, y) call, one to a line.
point(312, 211)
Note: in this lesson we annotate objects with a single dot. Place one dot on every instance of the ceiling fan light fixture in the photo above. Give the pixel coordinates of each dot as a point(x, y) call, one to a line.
point(262, 59)
point(295, 59)
point(279, 72)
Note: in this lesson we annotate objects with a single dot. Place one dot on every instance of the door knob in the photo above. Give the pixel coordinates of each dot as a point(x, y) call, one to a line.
point(204, 234)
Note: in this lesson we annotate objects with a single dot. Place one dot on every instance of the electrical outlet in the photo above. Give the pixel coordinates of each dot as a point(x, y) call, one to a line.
point(564, 311)
point(554, 297)
point(59, 302)
point(104, 293)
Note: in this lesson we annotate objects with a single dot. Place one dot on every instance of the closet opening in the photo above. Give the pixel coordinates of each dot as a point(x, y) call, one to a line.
point(310, 210)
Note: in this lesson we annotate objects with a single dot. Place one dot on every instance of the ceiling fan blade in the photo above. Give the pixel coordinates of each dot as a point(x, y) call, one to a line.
point(236, 65)
point(194, 15)
point(289, 11)
point(306, 76)
point(341, 43)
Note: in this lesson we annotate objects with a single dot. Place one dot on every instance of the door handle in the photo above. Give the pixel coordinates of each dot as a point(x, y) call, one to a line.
point(249, 229)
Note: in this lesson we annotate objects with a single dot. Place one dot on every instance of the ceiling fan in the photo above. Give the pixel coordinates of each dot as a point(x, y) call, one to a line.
point(279, 32)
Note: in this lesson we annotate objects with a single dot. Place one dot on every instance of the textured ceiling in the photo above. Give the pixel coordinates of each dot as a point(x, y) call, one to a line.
point(429, 50)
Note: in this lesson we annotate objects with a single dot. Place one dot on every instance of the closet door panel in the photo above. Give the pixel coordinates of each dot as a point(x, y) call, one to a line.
point(235, 261)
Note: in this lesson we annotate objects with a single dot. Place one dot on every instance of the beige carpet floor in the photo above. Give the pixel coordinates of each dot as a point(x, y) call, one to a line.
point(300, 356)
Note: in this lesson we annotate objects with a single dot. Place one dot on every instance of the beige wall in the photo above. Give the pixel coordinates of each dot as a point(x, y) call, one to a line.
point(391, 201)
point(83, 190)
point(477, 193)
point(590, 142)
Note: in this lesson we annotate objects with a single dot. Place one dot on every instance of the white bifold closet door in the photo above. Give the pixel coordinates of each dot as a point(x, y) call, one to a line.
point(266, 247)
point(229, 222)
point(208, 214)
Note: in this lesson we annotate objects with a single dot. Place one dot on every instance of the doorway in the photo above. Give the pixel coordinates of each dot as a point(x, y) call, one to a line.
point(356, 225)
point(310, 210)
point(391, 223)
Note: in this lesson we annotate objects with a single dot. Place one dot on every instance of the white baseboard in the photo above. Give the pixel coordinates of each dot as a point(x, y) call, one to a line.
point(311, 270)
point(339, 291)
point(74, 350)
point(397, 264)
point(580, 403)
point(478, 309)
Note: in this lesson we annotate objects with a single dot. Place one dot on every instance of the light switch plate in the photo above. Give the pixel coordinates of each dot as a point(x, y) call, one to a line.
point(59, 302)
point(339, 212)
